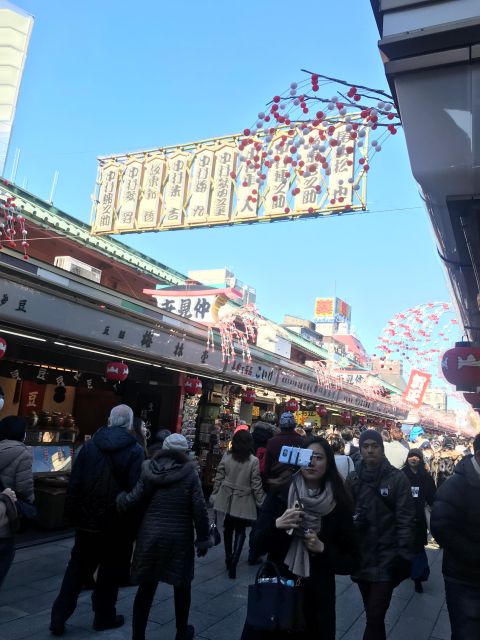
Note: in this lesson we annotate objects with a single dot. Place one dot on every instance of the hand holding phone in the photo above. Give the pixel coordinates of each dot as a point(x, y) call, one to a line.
point(290, 520)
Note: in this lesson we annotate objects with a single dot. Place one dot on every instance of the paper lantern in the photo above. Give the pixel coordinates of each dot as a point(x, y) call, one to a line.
point(461, 366)
point(473, 399)
point(249, 396)
point(346, 416)
point(3, 347)
point(322, 410)
point(116, 371)
point(193, 386)
point(291, 405)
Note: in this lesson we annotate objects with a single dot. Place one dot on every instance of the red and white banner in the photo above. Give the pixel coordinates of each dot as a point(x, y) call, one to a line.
point(416, 388)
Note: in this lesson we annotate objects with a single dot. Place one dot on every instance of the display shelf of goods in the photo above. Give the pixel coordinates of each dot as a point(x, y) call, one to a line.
point(190, 412)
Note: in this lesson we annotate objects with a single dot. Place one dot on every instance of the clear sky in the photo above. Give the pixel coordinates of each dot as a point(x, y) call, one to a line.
point(109, 76)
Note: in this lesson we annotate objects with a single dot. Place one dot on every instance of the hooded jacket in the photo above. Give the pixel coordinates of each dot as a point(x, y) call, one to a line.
point(111, 449)
point(455, 524)
point(16, 469)
point(423, 493)
point(384, 523)
point(171, 495)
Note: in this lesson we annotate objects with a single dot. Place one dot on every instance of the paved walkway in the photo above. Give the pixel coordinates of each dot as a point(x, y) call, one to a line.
point(218, 604)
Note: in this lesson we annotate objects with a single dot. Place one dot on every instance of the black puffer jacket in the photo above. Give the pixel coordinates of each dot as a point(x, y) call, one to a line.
point(170, 490)
point(16, 469)
point(423, 493)
point(85, 507)
point(455, 524)
point(384, 523)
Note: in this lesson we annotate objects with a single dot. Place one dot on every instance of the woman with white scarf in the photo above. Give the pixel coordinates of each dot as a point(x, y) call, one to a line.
point(306, 528)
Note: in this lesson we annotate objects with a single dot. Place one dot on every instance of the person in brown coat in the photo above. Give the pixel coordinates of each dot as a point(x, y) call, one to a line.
point(237, 491)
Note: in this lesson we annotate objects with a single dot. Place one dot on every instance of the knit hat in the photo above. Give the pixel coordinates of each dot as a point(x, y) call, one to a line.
point(175, 442)
point(287, 421)
point(371, 434)
point(415, 452)
point(241, 427)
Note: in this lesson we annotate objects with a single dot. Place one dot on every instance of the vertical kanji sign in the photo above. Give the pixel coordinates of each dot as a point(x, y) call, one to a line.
point(416, 388)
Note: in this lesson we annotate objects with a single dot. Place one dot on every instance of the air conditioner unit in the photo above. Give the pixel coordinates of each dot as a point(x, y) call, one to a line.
point(78, 268)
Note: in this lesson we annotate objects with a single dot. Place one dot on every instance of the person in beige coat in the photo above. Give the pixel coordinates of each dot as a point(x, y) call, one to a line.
point(237, 492)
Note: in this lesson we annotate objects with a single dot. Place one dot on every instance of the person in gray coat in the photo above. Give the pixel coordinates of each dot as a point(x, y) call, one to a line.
point(170, 491)
point(15, 474)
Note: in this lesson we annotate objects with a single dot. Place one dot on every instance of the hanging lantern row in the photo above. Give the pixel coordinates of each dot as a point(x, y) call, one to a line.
point(116, 372)
point(322, 410)
point(193, 387)
point(346, 416)
point(249, 396)
point(3, 347)
point(291, 405)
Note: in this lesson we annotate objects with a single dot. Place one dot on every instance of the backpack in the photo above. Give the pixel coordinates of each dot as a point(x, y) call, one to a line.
point(262, 459)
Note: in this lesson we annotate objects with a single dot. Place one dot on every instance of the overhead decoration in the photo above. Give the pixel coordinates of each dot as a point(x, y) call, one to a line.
point(307, 153)
point(473, 399)
point(461, 366)
point(238, 329)
point(116, 372)
point(346, 416)
point(322, 410)
point(291, 405)
point(249, 396)
point(3, 347)
point(12, 224)
point(193, 386)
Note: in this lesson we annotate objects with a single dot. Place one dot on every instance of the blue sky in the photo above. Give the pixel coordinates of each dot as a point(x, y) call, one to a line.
point(109, 77)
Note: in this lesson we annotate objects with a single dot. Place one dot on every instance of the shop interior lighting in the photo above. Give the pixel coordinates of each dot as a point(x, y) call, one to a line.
point(23, 335)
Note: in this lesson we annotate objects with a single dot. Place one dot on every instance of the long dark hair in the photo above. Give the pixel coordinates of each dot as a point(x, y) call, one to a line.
point(340, 494)
point(242, 446)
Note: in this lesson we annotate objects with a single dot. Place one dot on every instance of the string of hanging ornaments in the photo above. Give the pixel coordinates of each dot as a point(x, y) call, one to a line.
point(12, 223)
point(316, 126)
point(236, 327)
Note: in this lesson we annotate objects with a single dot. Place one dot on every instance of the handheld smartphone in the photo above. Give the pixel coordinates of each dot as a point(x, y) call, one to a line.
point(295, 455)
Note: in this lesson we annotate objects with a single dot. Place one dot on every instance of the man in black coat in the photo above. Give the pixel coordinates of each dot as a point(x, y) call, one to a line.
point(384, 519)
point(455, 524)
point(108, 463)
point(276, 472)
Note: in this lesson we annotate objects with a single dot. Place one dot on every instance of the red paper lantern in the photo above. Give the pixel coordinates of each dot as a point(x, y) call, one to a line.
point(249, 396)
point(473, 399)
point(291, 405)
point(193, 386)
point(461, 366)
point(362, 420)
point(346, 416)
point(3, 347)
point(322, 410)
point(116, 371)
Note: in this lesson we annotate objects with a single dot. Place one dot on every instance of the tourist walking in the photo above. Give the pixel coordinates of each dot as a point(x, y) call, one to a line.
point(306, 528)
point(396, 450)
point(455, 525)
point(345, 464)
point(423, 493)
point(237, 492)
point(278, 472)
point(16, 475)
point(170, 494)
point(384, 518)
point(107, 464)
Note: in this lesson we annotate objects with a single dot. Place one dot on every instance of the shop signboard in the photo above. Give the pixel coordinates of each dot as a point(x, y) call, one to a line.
point(220, 181)
point(332, 310)
point(416, 388)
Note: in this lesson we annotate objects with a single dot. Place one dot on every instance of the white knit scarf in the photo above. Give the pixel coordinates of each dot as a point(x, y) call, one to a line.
point(315, 507)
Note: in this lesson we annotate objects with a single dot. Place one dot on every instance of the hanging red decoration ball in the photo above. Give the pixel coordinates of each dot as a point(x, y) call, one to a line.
point(322, 410)
point(249, 396)
point(116, 371)
point(291, 405)
point(193, 386)
point(346, 416)
point(3, 347)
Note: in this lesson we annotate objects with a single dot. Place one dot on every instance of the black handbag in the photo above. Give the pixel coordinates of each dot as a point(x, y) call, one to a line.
point(214, 533)
point(275, 603)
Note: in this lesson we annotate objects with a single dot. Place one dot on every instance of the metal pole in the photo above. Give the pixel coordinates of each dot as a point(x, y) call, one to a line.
point(54, 186)
point(15, 166)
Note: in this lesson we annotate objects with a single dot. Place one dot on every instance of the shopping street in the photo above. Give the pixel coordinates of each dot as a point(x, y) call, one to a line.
point(218, 603)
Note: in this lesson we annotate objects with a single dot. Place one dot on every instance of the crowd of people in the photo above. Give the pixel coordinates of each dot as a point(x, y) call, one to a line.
point(364, 505)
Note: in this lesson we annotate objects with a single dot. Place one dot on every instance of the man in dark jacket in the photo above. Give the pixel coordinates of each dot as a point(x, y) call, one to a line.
point(384, 520)
point(455, 524)
point(276, 471)
point(108, 463)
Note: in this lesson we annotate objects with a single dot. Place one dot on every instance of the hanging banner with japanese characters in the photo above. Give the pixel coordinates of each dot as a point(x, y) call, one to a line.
point(231, 181)
point(416, 388)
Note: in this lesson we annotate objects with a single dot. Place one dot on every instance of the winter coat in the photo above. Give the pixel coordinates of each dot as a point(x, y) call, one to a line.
point(455, 524)
point(237, 489)
point(396, 453)
point(423, 493)
point(338, 557)
point(111, 449)
point(171, 494)
point(261, 434)
point(384, 524)
point(16, 469)
point(276, 470)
